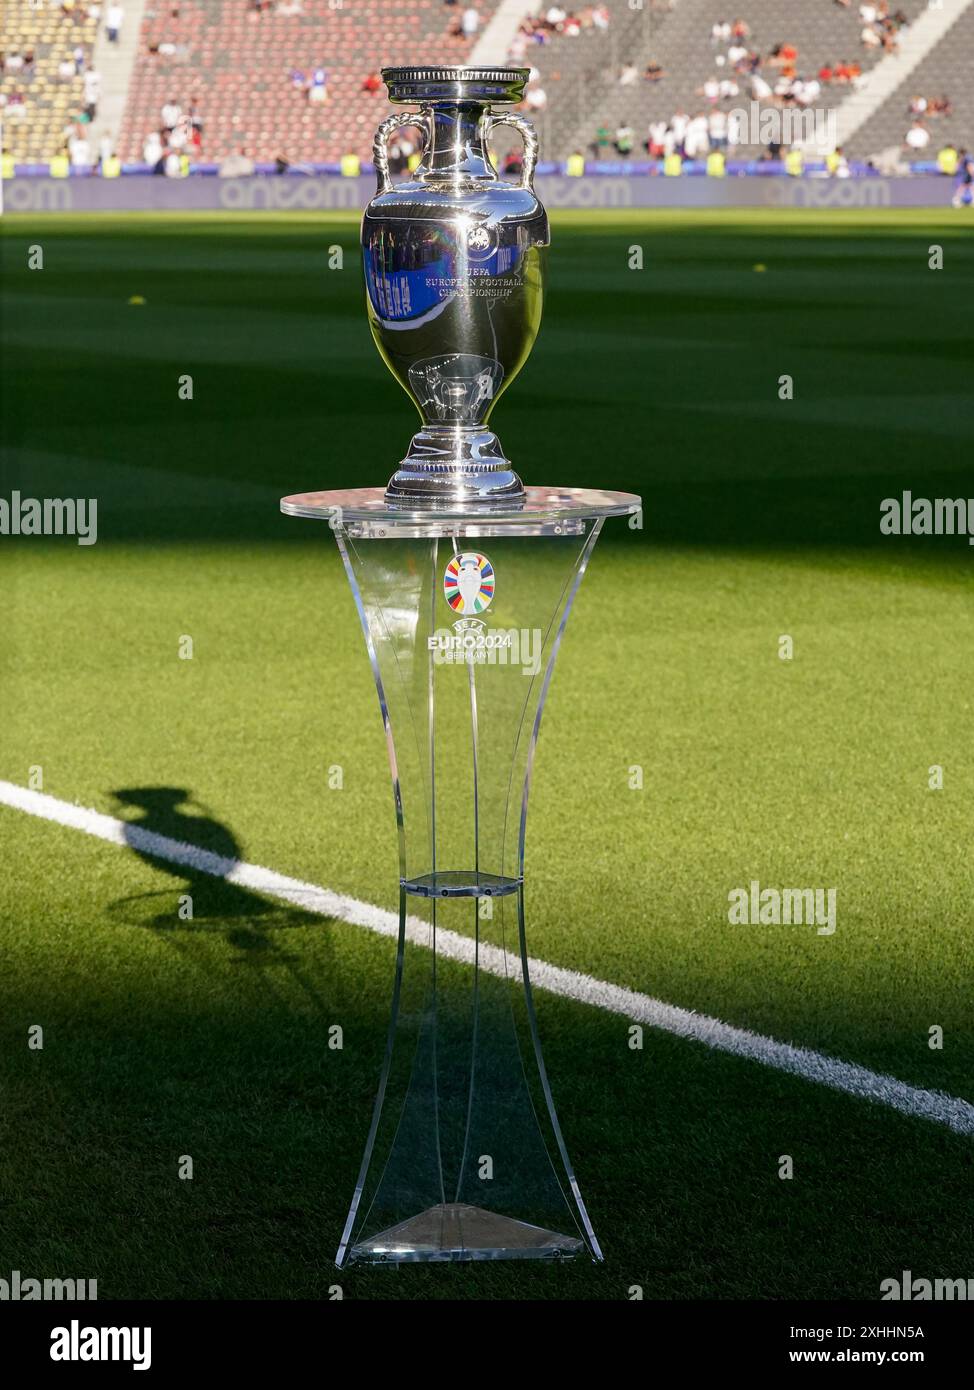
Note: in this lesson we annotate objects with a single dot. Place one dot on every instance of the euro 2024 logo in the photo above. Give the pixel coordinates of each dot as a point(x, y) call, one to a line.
point(468, 583)
point(468, 587)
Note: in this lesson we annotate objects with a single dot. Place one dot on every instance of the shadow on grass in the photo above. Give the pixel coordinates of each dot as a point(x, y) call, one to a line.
point(204, 900)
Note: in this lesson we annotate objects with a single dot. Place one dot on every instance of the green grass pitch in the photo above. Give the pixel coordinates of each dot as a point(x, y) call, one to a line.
point(762, 519)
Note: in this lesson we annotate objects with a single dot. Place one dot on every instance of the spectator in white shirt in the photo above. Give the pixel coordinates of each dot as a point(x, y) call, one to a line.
point(114, 16)
point(470, 22)
point(917, 137)
point(696, 142)
point(171, 113)
point(79, 151)
point(92, 92)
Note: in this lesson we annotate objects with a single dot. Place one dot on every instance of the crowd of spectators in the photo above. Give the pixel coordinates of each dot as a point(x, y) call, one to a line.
point(931, 106)
point(741, 69)
point(301, 83)
point(73, 73)
point(542, 28)
point(689, 136)
point(180, 135)
point(922, 110)
point(880, 26)
point(774, 76)
point(177, 140)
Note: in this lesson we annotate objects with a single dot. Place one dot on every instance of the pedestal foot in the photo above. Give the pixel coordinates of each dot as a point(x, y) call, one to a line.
point(456, 1231)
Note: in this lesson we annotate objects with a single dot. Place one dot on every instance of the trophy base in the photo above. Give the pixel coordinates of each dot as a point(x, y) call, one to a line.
point(454, 1231)
point(454, 463)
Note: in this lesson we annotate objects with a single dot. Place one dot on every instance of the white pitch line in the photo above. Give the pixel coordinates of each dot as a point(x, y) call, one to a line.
point(951, 1111)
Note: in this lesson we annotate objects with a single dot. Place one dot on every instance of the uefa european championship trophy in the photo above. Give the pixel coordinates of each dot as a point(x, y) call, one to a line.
point(463, 579)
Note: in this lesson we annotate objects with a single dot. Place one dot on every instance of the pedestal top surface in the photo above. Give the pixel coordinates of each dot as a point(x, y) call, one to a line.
point(540, 505)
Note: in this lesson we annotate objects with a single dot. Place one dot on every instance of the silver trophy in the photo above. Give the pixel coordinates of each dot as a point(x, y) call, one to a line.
point(463, 581)
point(454, 270)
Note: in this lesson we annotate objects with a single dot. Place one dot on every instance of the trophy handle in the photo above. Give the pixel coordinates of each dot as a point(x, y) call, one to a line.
point(380, 153)
point(528, 134)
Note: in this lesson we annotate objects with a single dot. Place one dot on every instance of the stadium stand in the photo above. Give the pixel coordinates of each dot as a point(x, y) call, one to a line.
point(947, 71)
point(249, 69)
point(47, 49)
point(681, 44)
point(578, 73)
point(298, 79)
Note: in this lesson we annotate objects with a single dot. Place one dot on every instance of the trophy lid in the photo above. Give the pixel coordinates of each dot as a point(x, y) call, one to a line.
point(456, 82)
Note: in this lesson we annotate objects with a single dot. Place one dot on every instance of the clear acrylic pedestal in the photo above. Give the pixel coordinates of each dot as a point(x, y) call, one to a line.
point(463, 613)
